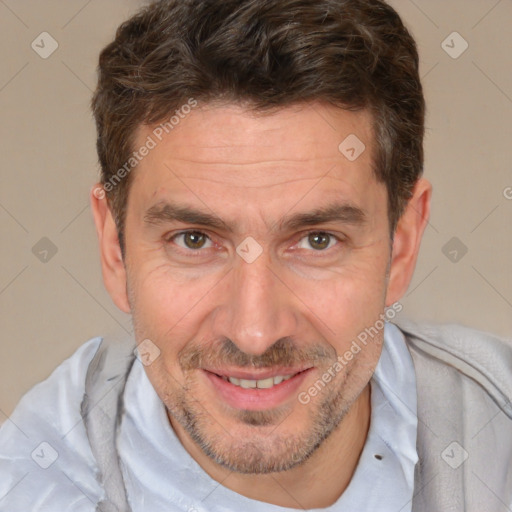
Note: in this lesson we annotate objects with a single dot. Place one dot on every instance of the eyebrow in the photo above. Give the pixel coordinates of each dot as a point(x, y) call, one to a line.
point(165, 212)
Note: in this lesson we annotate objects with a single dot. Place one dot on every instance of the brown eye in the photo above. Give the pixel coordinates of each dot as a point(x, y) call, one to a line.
point(191, 240)
point(318, 241)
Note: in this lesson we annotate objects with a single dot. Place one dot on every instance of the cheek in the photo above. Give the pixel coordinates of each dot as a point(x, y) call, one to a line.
point(165, 307)
point(344, 311)
point(348, 299)
point(160, 285)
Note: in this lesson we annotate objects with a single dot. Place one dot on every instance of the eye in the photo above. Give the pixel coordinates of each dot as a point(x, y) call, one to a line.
point(192, 240)
point(317, 240)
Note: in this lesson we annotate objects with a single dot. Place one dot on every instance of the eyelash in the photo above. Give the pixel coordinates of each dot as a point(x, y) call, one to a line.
point(190, 252)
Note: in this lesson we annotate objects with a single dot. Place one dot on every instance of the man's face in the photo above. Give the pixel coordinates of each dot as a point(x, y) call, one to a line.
point(282, 265)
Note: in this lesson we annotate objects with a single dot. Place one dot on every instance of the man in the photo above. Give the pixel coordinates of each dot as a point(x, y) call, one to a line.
point(259, 215)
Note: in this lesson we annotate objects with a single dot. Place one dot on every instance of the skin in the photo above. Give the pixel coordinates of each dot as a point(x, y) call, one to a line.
point(204, 306)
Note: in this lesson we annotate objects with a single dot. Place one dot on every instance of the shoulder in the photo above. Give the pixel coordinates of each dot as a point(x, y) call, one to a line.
point(56, 400)
point(464, 439)
point(481, 357)
point(43, 444)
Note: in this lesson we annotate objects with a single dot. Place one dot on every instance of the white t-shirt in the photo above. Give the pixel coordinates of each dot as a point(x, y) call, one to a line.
point(46, 463)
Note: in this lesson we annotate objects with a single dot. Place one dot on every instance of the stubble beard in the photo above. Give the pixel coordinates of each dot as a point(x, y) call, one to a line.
point(264, 448)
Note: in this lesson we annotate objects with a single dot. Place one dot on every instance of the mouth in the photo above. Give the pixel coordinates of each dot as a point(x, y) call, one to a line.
point(256, 390)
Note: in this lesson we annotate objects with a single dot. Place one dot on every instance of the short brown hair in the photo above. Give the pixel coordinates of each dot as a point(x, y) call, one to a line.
point(269, 54)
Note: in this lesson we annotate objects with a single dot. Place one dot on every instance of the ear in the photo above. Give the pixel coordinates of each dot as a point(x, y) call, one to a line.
point(112, 265)
point(406, 241)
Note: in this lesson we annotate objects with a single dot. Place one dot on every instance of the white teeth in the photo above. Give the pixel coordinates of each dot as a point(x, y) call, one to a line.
point(265, 383)
point(260, 384)
point(248, 383)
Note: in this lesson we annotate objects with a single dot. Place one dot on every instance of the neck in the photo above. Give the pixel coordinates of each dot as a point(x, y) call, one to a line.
point(318, 482)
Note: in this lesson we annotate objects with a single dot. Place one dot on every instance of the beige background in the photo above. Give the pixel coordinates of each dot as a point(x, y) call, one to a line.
point(48, 163)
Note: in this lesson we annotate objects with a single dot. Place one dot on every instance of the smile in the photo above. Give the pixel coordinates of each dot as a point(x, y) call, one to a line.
point(256, 390)
point(261, 383)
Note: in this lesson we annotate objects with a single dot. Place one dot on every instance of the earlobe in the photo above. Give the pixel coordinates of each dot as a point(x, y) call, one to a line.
point(112, 264)
point(407, 239)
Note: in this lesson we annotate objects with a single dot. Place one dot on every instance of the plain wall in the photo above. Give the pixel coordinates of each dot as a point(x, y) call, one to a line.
point(48, 161)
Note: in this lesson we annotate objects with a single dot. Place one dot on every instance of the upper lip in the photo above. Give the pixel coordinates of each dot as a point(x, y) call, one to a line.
point(264, 373)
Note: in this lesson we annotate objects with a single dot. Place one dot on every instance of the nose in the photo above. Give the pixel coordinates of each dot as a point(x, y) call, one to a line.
point(257, 307)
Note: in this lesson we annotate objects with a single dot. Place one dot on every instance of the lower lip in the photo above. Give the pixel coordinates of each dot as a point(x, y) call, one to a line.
point(255, 399)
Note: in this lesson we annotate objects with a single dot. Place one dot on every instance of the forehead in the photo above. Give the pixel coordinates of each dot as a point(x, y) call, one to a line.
point(219, 150)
